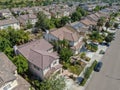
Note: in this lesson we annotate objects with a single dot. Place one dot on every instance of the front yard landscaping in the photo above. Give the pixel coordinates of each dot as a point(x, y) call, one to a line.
point(88, 72)
point(84, 57)
point(75, 67)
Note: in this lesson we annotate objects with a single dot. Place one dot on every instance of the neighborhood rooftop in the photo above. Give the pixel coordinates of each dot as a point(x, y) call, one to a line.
point(41, 44)
point(7, 69)
point(66, 33)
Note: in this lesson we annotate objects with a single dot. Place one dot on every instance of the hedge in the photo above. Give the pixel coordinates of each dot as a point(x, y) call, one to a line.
point(88, 72)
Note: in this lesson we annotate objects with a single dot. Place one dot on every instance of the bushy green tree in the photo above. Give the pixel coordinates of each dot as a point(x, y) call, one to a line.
point(65, 54)
point(109, 38)
point(4, 43)
point(42, 21)
point(82, 11)
point(107, 25)
point(64, 20)
point(53, 83)
point(100, 22)
point(76, 16)
point(21, 63)
point(116, 25)
point(15, 36)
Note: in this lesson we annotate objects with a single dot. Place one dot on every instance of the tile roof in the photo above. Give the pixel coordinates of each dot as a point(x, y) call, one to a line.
point(5, 11)
point(87, 22)
point(8, 21)
point(7, 69)
point(42, 59)
point(93, 17)
point(40, 44)
point(22, 84)
point(28, 16)
point(67, 33)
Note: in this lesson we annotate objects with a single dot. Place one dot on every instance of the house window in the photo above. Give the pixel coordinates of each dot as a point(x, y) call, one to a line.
point(36, 68)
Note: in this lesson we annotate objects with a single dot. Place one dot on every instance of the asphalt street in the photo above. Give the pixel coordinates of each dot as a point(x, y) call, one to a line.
point(109, 76)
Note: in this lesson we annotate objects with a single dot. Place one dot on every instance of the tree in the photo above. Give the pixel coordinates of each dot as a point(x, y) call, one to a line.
point(52, 83)
point(82, 11)
point(9, 52)
point(109, 38)
point(4, 43)
point(42, 21)
point(65, 54)
point(97, 8)
point(107, 25)
point(96, 37)
point(21, 63)
point(29, 25)
point(116, 25)
point(76, 16)
point(64, 20)
point(14, 36)
point(100, 22)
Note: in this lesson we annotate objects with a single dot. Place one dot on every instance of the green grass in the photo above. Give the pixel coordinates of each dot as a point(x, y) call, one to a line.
point(75, 69)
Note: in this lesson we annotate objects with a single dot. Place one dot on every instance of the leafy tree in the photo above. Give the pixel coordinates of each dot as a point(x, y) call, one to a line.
point(96, 37)
point(58, 45)
point(109, 38)
point(97, 8)
point(21, 63)
point(9, 52)
point(82, 11)
point(100, 22)
point(116, 25)
point(42, 21)
point(76, 16)
point(65, 54)
point(29, 25)
point(53, 83)
point(15, 36)
point(57, 22)
point(107, 25)
point(4, 43)
point(64, 20)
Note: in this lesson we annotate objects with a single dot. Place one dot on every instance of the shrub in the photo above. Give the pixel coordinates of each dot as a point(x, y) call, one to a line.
point(88, 72)
point(83, 55)
point(87, 59)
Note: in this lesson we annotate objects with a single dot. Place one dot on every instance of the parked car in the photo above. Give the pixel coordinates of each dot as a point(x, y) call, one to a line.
point(79, 80)
point(98, 66)
point(102, 52)
point(107, 44)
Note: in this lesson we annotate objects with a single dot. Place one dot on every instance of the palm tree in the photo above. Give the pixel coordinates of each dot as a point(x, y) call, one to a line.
point(107, 25)
point(100, 23)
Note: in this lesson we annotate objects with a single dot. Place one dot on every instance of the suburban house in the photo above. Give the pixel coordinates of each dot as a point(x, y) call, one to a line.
point(93, 17)
point(11, 22)
point(68, 33)
point(9, 79)
point(88, 7)
point(5, 13)
point(17, 11)
point(88, 23)
point(80, 28)
point(42, 60)
point(36, 9)
point(27, 18)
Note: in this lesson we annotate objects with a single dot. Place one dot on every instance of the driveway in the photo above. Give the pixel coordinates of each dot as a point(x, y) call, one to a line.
point(109, 76)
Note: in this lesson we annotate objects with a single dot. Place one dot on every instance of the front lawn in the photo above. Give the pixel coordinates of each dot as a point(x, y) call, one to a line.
point(75, 68)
